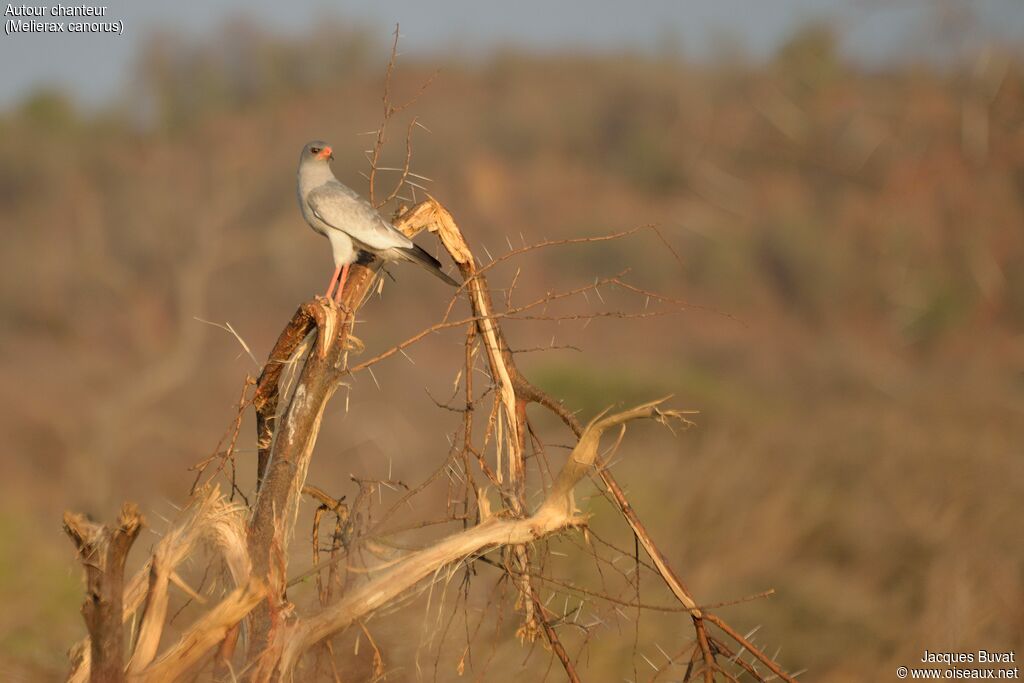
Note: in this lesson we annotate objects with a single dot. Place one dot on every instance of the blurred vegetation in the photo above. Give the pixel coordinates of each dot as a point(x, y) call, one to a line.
point(852, 242)
point(181, 82)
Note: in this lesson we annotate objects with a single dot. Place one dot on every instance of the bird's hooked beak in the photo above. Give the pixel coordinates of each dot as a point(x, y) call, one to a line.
point(326, 153)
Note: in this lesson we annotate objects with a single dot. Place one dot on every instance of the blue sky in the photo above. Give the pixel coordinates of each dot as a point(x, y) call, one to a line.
point(94, 67)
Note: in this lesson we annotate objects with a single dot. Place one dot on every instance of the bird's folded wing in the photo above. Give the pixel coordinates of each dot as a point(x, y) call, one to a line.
point(342, 209)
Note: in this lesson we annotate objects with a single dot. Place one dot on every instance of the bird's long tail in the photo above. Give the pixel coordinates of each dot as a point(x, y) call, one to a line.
point(416, 254)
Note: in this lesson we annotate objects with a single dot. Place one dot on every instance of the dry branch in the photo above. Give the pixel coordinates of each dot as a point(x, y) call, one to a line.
point(153, 614)
point(103, 551)
point(553, 639)
point(208, 632)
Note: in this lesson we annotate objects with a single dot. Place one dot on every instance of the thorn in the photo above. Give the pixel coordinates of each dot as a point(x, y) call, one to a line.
point(456, 473)
point(370, 370)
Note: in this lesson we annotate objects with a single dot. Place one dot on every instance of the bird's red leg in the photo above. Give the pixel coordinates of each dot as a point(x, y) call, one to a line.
point(334, 278)
point(341, 283)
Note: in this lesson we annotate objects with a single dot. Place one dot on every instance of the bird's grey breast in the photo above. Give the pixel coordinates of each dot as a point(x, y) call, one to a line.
point(307, 182)
point(341, 208)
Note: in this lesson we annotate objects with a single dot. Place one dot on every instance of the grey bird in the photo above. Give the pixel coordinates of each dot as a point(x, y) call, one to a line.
point(350, 222)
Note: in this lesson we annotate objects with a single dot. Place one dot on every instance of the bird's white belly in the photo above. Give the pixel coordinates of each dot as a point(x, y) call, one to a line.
point(342, 247)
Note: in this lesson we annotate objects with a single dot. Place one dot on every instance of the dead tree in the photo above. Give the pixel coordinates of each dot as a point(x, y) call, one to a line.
point(301, 375)
point(252, 542)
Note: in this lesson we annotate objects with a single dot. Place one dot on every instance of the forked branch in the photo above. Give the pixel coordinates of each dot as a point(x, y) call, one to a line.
point(103, 551)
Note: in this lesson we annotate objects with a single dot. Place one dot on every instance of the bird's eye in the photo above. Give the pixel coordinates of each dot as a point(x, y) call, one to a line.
point(314, 150)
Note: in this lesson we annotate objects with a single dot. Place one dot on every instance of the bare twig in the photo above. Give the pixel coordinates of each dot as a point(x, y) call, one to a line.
point(389, 111)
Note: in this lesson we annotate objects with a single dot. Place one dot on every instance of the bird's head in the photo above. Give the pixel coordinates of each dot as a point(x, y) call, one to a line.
point(318, 150)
